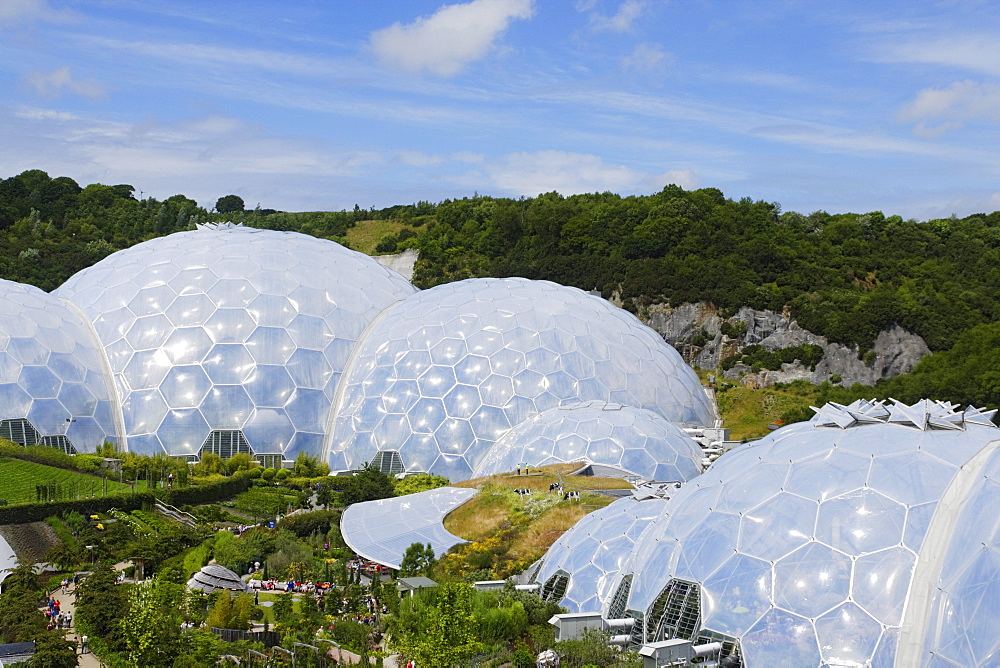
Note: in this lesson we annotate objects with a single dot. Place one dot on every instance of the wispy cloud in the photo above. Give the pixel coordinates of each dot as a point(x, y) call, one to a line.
point(978, 52)
point(203, 55)
point(56, 83)
point(622, 20)
point(570, 173)
point(937, 110)
point(451, 38)
point(804, 133)
point(16, 12)
point(647, 58)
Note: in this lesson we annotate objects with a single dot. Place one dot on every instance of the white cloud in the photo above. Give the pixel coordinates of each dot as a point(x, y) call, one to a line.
point(937, 110)
point(449, 39)
point(979, 53)
point(14, 12)
point(54, 84)
point(622, 20)
point(571, 173)
point(647, 58)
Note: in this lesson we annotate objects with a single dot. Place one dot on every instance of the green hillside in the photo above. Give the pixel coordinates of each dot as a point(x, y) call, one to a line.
point(19, 481)
point(846, 276)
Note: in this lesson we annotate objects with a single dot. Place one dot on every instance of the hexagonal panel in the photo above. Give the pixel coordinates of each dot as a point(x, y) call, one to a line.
point(229, 325)
point(861, 521)
point(189, 310)
point(226, 407)
point(39, 382)
point(777, 526)
point(187, 345)
point(228, 364)
point(813, 579)
point(185, 386)
point(847, 636)
point(270, 345)
point(149, 332)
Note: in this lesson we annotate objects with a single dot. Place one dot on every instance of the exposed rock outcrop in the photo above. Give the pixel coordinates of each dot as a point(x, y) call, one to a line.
point(696, 330)
point(401, 263)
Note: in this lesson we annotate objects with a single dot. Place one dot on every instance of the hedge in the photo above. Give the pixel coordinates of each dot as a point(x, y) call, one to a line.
point(214, 491)
point(36, 512)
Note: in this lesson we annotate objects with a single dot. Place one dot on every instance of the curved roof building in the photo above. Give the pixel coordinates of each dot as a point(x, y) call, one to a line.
point(633, 441)
point(441, 376)
point(53, 385)
point(229, 339)
point(857, 539)
point(213, 577)
point(580, 568)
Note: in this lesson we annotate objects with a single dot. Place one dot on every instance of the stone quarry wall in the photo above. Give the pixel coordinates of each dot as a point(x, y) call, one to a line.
point(896, 350)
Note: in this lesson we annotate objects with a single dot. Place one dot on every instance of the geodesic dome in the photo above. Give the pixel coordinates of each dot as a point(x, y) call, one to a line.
point(632, 440)
point(579, 569)
point(445, 373)
point(229, 337)
point(52, 383)
point(961, 624)
point(800, 549)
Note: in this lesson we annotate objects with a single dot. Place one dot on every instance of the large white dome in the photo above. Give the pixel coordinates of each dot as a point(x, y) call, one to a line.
point(230, 331)
point(806, 548)
point(632, 441)
point(441, 376)
point(580, 568)
point(53, 388)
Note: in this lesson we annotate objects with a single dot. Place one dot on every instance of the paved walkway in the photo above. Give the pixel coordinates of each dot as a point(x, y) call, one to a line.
point(67, 604)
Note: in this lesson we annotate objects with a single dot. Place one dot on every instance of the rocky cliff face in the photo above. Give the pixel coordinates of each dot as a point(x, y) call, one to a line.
point(696, 331)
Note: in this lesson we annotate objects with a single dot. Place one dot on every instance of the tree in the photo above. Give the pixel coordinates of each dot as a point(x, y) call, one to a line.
point(594, 648)
point(231, 611)
point(417, 560)
point(419, 482)
point(369, 484)
point(309, 466)
point(21, 621)
point(229, 204)
point(448, 635)
point(52, 650)
point(151, 627)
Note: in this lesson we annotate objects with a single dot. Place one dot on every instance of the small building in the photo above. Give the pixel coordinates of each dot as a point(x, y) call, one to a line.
point(16, 652)
point(410, 586)
point(214, 577)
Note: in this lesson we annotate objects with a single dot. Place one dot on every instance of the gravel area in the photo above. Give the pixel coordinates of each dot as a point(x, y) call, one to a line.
point(30, 541)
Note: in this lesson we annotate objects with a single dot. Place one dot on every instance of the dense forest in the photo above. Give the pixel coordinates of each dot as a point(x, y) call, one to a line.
point(845, 276)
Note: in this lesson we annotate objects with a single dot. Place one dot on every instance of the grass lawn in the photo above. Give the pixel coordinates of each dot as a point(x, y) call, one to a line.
point(366, 234)
point(272, 596)
point(18, 479)
point(496, 505)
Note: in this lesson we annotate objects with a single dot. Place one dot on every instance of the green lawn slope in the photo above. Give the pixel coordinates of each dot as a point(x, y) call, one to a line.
point(19, 480)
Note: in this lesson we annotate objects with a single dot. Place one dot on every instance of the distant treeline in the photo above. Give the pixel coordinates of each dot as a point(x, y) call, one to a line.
point(845, 276)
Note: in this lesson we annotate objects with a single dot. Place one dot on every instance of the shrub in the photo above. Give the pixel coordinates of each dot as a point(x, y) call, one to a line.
point(23, 513)
point(224, 488)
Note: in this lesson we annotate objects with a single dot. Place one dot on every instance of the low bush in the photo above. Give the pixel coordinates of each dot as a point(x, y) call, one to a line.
point(35, 512)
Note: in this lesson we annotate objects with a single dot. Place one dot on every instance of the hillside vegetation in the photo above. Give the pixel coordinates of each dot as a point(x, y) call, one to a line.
point(846, 276)
point(508, 531)
point(23, 482)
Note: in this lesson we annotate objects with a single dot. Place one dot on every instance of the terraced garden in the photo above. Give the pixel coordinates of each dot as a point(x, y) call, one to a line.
point(27, 482)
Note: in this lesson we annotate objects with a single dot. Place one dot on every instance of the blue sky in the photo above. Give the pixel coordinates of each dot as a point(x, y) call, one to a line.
point(318, 105)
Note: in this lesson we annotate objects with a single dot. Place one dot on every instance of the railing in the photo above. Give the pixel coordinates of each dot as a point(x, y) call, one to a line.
point(175, 513)
point(269, 638)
